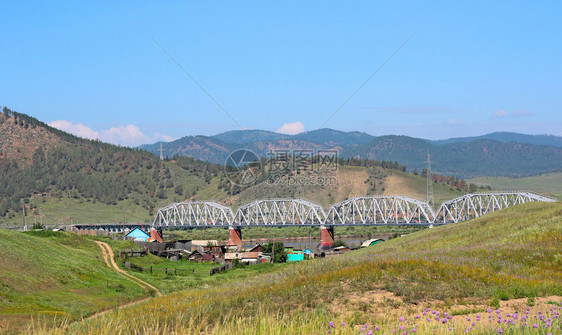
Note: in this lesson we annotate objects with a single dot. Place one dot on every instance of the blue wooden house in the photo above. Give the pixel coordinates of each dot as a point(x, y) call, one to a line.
point(138, 234)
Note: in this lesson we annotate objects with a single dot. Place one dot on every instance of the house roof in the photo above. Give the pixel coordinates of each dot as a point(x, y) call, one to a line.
point(249, 255)
point(255, 247)
point(195, 253)
point(230, 255)
point(371, 241)
point(342, 248)
point(137, 232)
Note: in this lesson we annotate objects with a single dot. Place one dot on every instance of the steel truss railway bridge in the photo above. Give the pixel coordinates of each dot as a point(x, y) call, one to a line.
point(369, 210)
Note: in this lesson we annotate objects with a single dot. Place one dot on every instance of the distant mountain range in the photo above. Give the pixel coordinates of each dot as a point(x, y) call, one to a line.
point(495, 154)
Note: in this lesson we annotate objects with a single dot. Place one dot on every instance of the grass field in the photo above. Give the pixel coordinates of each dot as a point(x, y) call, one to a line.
point(191, 274)
point(400, 183)
point(548, 183)
point(506, 261)
point(46, 274)
point(57, 275)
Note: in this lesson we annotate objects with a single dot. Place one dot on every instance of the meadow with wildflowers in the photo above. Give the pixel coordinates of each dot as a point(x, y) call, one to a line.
point(499, 274)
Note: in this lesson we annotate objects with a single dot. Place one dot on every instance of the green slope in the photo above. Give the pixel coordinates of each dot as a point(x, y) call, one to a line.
point(46, 274)
point(460, 268)
point(548, 183)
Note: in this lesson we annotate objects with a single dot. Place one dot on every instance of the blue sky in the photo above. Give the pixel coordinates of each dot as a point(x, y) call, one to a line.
point(471, 67)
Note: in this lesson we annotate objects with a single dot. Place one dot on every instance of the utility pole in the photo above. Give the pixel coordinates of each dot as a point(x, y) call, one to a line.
point(429, 182)
point(161, 154)
point(273, 253)
point(24, 223)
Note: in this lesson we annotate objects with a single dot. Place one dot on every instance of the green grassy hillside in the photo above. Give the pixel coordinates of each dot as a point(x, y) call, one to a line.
point(548, 183)
point(46, 274)
point(458, 269)
point(401, 183)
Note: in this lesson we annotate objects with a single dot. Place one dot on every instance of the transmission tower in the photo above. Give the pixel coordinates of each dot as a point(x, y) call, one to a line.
point(161, 155)
point(429, 182)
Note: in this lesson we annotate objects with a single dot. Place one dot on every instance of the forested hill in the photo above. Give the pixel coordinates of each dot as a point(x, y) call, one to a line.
point(37, 160)
point(497, 154)
point(60, 178)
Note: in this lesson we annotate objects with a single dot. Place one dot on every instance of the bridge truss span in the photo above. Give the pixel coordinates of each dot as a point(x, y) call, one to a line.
point(380, 210)
point(474, 205)
point(196, 214)
point(280, 212)
point(368, 210)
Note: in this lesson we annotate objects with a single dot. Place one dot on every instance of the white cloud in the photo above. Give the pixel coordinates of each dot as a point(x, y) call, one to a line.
point(291, 128)
point(163, 137)
point(122, 134)
point(77, 129)
point(129, 135)
point(500, 114)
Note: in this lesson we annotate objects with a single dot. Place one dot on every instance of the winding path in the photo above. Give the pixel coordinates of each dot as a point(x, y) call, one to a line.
point(107, 254)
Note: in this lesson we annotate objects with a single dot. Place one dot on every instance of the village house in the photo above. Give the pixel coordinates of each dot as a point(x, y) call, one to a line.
point(195, 256)
point(257, 248)
point(216, 251)
point(249, 258)
point(229, 257)
point(138, 234)
point(339, 251)
point(295, 255)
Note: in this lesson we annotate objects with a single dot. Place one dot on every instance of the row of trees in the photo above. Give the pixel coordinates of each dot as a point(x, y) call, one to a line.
point(372, 163)
point(452, 181)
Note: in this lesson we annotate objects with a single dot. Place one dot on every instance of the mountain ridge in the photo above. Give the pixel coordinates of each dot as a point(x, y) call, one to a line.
point(499, 154)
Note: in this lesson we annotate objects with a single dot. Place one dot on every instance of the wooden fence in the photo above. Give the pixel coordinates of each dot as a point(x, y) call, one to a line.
point(168, 271)
point(131, 253)
point(221, 268)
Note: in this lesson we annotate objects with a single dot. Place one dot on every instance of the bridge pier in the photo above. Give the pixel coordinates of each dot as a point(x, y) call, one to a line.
point(235, 236)
point(326, 235)
point(155, 235)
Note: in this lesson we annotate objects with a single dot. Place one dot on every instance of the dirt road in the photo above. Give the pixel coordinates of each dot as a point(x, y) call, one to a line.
point(107, 253)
